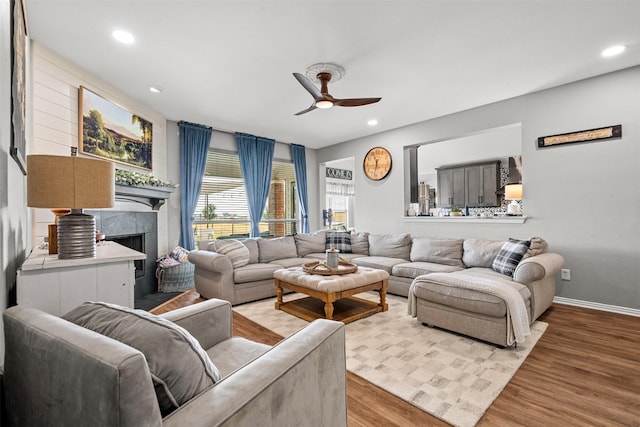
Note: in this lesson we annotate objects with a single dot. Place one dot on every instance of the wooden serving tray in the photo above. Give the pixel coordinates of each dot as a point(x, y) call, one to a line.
point(319, 267)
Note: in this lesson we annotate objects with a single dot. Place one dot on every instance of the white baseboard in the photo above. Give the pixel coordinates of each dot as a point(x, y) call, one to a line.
point(598, 306)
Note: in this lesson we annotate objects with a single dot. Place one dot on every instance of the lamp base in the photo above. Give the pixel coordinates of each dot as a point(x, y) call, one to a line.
point(76, 235)
point(513, 208)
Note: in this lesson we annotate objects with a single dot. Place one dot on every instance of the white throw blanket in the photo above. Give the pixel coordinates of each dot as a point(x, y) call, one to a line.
point(517, 318)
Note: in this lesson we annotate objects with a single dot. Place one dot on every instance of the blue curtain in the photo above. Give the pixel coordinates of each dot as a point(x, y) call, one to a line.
point(300, 166)
point(256, 156)
point(194, 145)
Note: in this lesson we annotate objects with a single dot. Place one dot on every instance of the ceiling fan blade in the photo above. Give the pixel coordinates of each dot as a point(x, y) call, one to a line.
point(355, 102)
point(310, 87)
point(313, 107)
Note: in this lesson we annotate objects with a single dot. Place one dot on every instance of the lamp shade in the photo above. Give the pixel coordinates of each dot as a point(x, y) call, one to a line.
point(69, 182)
point(513, 192)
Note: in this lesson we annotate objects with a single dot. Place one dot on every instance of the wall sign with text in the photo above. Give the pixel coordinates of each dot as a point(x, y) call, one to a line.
point(339, 173)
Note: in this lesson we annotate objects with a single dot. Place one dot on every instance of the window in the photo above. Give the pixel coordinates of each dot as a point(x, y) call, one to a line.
point(222, 210)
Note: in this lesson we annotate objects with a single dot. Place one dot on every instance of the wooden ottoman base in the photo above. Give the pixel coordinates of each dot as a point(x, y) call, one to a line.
point(339, 305)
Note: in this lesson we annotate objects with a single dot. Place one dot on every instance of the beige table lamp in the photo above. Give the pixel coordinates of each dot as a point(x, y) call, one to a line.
point(75, 183)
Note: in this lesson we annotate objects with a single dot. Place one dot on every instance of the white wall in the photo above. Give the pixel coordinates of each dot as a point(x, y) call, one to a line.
point(13, 230)
point(223, 140)
point(582, 198)
point(55, 128)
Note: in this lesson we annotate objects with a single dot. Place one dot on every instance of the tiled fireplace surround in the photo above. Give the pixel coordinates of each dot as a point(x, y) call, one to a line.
point(119, 226)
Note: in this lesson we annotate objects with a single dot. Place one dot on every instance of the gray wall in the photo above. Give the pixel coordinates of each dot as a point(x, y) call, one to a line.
point(13, 203)
point(583, 199)
point(227, 141)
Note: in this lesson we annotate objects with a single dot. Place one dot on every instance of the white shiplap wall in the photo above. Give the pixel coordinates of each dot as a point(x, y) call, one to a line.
point(55, 127)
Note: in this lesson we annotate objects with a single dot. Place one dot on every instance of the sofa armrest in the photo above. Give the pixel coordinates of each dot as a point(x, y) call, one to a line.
point(300, 381)
point(538, 274)
point(538, 267)
point(213, 275)
point(210, 322)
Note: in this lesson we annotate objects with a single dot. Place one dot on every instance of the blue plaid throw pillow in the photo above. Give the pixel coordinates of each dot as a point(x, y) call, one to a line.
point(340, 240)
point(510, 255)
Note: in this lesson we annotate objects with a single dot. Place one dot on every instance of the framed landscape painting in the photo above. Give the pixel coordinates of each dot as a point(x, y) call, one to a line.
point(109, 131)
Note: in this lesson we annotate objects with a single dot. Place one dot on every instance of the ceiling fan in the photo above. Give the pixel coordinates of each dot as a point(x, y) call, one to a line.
point(321, 98)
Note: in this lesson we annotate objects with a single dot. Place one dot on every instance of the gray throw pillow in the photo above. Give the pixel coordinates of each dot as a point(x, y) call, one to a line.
point(509, 256)
point(254, 252)
point(179, 366)
point(278, 248)
point(310, 243)
point(439, 251)
point(480, 252)
point(360, 243)
point(390, 245)
point(235, 250)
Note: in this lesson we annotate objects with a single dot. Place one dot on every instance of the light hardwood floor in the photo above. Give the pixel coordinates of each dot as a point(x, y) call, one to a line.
point(584, 371)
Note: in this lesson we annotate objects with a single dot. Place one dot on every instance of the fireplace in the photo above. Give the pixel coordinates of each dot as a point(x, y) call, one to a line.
point(135, 242)
point(138, 231)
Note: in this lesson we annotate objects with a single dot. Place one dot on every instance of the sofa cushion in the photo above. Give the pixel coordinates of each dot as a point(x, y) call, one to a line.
point(280, 247)
point(179, 366)
point(310, 243)
point(254, 252)
point(509, 256)
point(290, 262)
point(418, 268)
point(390, 245)
point(234, 249)
point(379, 262)
point(480, 252)
point(360, 243)
point(234, 353)
point(439, 251)
point(340, 240)
point(254, 272)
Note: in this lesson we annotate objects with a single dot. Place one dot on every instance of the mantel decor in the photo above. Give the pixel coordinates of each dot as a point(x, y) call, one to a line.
point(125, 177)
point(589, 135)
point(109, 131)
point(142, 188)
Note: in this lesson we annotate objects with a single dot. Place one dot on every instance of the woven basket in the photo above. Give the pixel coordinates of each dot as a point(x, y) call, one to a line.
point(175, 279)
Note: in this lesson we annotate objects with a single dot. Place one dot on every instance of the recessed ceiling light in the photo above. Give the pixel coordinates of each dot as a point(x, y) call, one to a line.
point(613, 50)
point(372, 122)
point(155, 89)
point(123, 36)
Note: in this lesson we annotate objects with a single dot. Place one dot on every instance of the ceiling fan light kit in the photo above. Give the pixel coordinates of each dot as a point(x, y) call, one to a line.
point(324, 73)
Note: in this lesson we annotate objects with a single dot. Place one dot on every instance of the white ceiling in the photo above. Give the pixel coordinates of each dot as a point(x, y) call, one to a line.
point(229, 64)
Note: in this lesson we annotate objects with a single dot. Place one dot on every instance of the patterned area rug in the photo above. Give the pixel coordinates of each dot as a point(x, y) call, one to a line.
point(449, 376)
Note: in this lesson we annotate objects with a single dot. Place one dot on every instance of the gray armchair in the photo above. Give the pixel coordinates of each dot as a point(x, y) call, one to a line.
point(57, 373)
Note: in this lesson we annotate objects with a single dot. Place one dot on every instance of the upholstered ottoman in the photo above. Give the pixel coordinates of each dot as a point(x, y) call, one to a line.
point(331, 296)
point(456, 302)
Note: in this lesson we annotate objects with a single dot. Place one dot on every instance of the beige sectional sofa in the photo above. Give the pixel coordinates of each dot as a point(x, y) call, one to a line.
point(407, 259)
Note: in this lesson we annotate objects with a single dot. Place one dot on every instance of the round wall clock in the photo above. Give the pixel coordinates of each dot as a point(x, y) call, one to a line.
point(377, 163)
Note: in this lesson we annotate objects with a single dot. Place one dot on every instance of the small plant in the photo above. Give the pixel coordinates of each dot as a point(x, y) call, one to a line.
point(209, 212)
point(455, 210)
